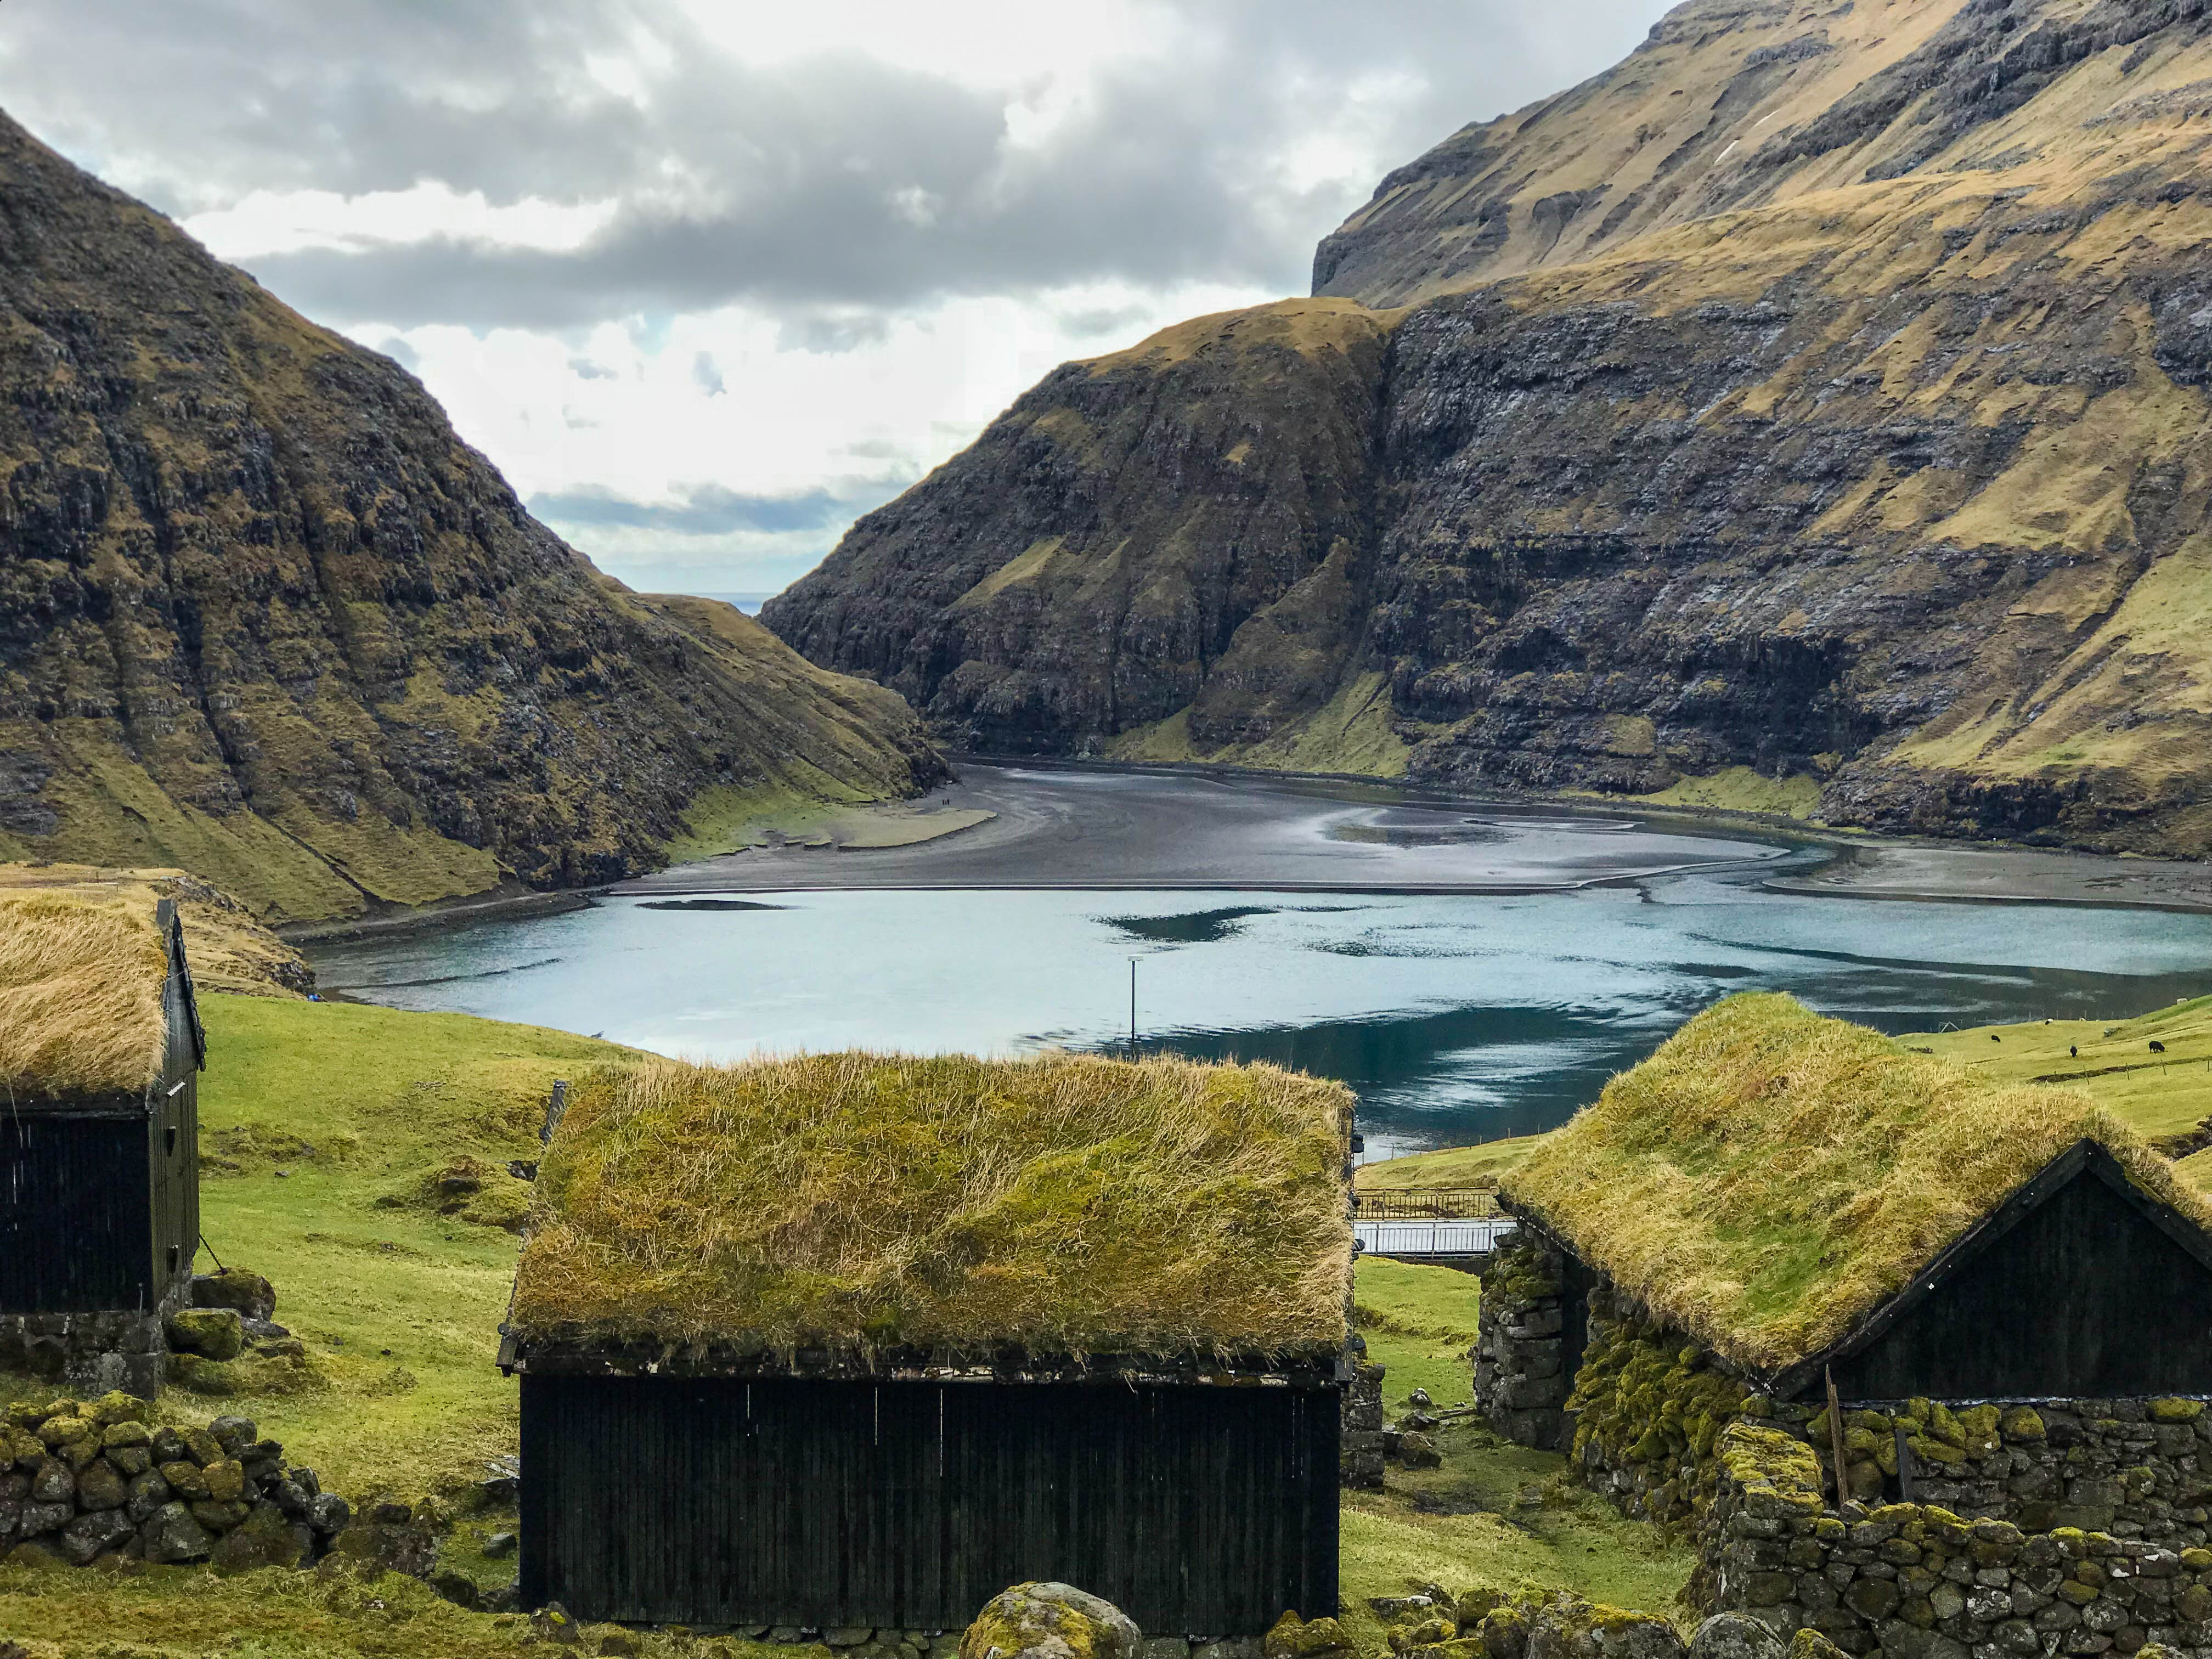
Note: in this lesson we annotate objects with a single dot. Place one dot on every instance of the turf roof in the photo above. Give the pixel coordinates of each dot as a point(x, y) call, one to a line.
point(1770, 1177)
point(1065, 1204)
point(80, 984)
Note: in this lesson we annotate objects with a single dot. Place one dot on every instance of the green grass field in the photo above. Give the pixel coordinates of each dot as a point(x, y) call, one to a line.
point(1493, 1514)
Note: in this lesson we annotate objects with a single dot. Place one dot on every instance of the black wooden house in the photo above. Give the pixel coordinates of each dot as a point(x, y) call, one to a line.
point(859, 1342)
point(1814, 1212)
point(99, 1139)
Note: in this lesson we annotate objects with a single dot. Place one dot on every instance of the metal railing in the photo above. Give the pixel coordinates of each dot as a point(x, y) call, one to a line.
point(1425, 1203)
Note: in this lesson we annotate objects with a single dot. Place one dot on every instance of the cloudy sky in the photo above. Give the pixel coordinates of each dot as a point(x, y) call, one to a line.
point(708, 278)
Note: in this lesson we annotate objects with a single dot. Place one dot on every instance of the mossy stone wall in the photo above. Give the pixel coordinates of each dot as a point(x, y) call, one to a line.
point(1910, 1581)
point(1520, 1350)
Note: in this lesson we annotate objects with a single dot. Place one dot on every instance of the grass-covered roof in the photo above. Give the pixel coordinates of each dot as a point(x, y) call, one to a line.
point(1770, 1177)
point(1064, 1206)
point(80, 984)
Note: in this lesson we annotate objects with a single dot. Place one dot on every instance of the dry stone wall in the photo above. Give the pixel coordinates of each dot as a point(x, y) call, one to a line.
point(1360, 1457)
point(81, 1479)
point(1649, 1407)
point(1520, 1350)
point(1913, 1581)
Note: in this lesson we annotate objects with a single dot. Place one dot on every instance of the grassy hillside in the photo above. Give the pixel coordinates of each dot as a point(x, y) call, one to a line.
point(270, 621)
point(2160, 1093)
point(1807, 416)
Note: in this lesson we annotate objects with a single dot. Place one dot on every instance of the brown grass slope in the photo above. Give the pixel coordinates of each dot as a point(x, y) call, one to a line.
point(80, 985)
point(1822, 394)
point(1062, 1205)
point(1770, 1177)
point(264, 617)
point(227, 949)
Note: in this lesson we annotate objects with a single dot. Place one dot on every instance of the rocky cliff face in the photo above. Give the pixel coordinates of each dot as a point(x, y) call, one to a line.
point(1809, 415)
point(263, 616)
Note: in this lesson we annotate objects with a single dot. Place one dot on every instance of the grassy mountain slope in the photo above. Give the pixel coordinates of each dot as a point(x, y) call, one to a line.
point(1820, 395)
point(263, 616)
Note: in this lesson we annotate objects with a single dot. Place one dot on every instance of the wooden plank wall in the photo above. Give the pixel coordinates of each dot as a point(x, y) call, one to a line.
point(2083, 1297)
point(73, 1212)
point(1198, 1511)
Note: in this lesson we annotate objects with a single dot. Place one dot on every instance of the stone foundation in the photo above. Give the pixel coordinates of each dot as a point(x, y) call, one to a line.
point(90, 1352)
point(1911, 1580)
point(1520, 1351)
point(1649, 1405)
point(1360, 1461)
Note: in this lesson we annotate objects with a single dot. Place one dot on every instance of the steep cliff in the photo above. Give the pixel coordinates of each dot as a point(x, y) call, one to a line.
point(1808, 413)
point(263, 616)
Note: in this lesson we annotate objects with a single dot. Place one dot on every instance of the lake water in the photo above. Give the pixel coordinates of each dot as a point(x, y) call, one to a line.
point(1456, 1019)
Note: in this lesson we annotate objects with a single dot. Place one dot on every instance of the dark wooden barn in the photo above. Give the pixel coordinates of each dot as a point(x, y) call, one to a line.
point(1815, 1206)
point(100, 1174)
point(732, 1476)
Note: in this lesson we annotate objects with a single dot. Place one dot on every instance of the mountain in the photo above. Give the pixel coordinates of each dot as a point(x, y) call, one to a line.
point(263, 616)
point(1808, 413)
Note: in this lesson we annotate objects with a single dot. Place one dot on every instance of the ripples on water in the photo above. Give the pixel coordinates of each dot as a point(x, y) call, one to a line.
point(1456, 1018)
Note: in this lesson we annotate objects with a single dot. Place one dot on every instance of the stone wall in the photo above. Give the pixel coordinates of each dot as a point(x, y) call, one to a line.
point(81, 1480)
point(91, 1352)
point(1649, 1406)
point(1360, 1461)
point(1520, 1351)
point(1911, 1580)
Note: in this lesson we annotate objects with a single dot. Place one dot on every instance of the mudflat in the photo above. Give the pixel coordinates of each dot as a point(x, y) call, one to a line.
point(1099, 828)
point(2002, 875)
point(1039, 825)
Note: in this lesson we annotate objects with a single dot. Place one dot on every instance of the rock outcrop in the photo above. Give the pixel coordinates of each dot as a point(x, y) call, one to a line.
point(264, 617)
point(1809, 415)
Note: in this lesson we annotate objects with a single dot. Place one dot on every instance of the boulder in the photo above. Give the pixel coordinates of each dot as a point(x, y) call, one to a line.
point(1049, 1621)
point(171, 1534)
point(267, 1538)
point(1293, 1638)
point(54, 1483)
point(248, 1295)
point(93, 1534)
point(382, 1546)
point(147, 1493)
point(212, 1332)
point(101, 1487)
point(196, 1374)
point(1735, 1636)
point(327, 1512)
point(1417, 1451)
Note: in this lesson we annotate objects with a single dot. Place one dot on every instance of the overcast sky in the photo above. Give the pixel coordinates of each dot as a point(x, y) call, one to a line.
point(708, 278)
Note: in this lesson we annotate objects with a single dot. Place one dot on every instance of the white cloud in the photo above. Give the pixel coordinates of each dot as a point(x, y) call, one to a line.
point(266, 222)
point(707, 277)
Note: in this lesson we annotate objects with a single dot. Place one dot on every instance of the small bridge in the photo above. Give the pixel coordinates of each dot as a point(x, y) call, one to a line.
point(1436, 1226)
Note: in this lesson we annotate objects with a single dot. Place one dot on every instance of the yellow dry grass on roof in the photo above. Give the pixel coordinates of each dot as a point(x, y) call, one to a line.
point(81, 988)
point(1770, 1176)
point(1067, 1205)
